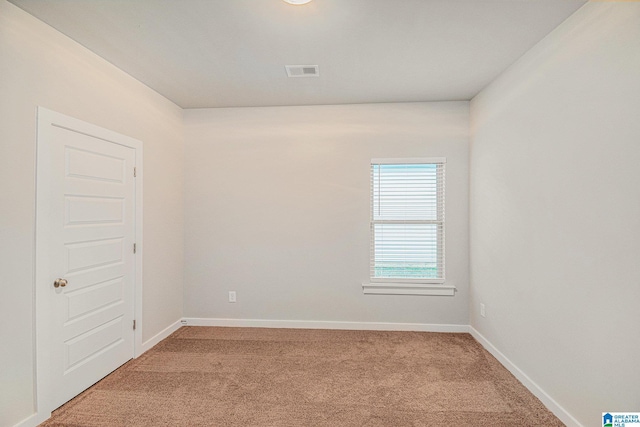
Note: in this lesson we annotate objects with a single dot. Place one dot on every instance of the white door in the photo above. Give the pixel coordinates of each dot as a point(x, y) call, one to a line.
point(85, 259)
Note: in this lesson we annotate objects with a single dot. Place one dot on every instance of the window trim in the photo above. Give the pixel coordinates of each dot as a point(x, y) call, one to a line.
point(399, 286)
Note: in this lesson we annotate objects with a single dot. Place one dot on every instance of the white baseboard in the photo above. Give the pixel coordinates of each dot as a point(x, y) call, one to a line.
point(534, 388)
point(33, 420)
point(318, 324)
point(150, 343)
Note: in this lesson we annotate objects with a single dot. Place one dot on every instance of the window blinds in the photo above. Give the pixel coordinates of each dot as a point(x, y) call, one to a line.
point(407, 220)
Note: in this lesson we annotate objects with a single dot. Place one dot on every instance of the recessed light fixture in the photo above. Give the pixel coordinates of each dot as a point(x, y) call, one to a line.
point(297, 1)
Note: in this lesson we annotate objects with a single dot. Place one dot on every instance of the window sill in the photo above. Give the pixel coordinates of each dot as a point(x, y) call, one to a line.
point(408, 289)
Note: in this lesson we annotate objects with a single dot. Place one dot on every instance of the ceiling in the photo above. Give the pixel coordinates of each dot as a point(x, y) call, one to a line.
point(232, 53)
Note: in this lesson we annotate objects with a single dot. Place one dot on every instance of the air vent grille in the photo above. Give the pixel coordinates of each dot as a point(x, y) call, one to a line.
point(302, 70)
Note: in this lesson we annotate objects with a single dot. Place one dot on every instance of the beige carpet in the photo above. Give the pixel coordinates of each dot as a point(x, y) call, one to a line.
point(204, 376)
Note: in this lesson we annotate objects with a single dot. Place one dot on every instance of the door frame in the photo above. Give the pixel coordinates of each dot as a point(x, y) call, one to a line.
point(44, 388)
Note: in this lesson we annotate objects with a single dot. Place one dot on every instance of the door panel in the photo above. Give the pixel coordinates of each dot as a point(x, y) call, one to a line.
point(88, 299)
point(93, 210)
point(82, 256)
point(96, 166)
point(93, 343)
point(90, 230)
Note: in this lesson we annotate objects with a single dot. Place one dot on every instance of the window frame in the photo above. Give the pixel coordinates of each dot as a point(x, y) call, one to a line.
point(409, 286)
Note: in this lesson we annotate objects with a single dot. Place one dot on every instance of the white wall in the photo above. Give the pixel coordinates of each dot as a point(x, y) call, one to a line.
point(555, 212)
point(277, 209)
point(40, 66)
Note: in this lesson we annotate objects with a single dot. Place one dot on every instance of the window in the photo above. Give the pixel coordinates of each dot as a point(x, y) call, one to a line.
point(407, 227)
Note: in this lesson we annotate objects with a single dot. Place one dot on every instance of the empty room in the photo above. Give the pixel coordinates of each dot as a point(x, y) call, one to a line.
point(320, 213)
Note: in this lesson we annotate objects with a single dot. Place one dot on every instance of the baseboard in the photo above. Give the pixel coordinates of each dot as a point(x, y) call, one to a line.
point(150, 343)
point(318, 324)
point(33, 420)
point(534, 388)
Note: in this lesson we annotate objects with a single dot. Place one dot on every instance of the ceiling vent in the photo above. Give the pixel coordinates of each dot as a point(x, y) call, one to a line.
point(302, 70)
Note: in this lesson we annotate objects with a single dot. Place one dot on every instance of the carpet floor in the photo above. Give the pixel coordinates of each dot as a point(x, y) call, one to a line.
point(206, 376)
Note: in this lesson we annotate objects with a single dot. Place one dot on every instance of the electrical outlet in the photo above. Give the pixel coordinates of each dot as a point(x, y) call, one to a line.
point(184, 322)
point(232, 296)
point(482, 313)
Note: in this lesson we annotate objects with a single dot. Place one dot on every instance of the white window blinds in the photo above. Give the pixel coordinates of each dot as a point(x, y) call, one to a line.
point(407, 220)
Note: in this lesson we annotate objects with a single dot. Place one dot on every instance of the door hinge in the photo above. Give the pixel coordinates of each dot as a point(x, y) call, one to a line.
point(135, 173)
point(134, 325)
point(134, 248)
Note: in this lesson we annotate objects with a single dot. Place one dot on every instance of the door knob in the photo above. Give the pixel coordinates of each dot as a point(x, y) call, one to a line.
point(60, 283)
